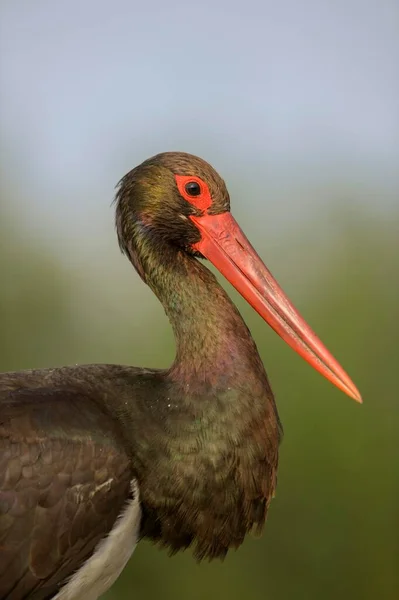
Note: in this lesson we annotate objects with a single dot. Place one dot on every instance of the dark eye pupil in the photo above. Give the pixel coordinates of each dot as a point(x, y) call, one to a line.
point(192, 188)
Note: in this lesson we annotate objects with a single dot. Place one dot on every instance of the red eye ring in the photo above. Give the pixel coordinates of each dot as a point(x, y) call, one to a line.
point(201, 200)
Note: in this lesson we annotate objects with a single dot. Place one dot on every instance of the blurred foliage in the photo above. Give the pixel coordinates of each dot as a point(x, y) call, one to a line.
point(333, 526)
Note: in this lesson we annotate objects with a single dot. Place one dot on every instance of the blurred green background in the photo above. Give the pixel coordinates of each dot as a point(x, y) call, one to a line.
point(296, 106)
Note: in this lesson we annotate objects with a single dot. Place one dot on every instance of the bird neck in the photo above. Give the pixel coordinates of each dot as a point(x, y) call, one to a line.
point(213, 345)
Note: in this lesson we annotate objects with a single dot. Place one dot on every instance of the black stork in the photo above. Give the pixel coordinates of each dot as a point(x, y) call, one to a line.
point(94, 458)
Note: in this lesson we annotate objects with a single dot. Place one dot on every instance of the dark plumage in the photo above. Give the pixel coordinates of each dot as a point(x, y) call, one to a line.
point(199, 439)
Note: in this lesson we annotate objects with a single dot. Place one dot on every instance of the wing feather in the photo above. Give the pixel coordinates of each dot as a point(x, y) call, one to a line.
point(64, 479)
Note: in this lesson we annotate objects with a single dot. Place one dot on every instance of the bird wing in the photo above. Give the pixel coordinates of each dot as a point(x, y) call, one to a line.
point(64, 479)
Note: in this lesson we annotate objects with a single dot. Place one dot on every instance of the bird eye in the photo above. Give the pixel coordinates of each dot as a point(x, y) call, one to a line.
point(192, 188)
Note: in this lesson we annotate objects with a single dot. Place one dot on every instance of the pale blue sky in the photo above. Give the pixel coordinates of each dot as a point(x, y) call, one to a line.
point(291, 91)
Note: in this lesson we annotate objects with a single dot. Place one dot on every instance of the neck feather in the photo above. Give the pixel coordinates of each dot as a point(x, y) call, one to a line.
point(213, 345)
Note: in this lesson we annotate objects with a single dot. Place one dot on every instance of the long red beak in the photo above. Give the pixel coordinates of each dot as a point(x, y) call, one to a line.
point(225, 245)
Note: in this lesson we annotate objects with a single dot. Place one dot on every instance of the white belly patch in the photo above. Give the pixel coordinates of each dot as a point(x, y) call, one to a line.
point(109, 558)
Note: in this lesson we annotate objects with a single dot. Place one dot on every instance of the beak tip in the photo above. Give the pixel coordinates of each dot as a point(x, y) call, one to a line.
point(355, 394)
